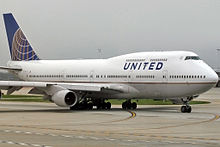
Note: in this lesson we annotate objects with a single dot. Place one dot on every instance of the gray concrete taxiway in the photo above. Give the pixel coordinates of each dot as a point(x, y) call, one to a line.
point(46, 125)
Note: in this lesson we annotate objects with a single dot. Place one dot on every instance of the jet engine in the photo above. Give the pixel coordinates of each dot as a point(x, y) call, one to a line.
point(65, 98)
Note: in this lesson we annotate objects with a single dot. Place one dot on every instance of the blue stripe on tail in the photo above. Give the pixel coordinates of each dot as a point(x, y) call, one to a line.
point(20, 48)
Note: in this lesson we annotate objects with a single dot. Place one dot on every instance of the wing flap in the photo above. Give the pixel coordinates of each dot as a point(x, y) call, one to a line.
point(22, 84)
point(96, 87)
point(81, 87)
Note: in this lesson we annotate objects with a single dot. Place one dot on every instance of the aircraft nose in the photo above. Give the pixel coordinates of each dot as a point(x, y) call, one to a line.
point(213, 76)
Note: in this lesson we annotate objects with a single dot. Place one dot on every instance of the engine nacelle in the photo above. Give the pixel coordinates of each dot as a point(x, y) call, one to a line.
point(65, 98)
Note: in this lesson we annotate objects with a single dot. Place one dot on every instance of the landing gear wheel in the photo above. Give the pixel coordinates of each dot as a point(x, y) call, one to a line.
point(99, 107)
point(108, 105)
point(134, 105)
point(185, 109)
point(89, 106)
point(128, 105)
point(104, 106)
point(189, 109)
point(124, 105)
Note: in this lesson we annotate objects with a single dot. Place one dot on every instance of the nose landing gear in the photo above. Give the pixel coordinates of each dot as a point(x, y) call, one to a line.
point(186, 108)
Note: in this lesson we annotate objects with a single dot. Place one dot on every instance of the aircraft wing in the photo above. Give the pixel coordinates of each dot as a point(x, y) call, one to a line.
point(16, 85)
point(22, 84)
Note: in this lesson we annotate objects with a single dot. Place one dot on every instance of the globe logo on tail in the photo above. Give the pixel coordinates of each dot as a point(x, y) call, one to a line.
point(21, 49)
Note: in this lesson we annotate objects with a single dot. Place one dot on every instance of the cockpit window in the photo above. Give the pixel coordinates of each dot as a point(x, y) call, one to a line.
point(192, 58)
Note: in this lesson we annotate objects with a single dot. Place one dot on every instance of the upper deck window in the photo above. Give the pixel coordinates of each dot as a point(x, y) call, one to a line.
point(192, 58)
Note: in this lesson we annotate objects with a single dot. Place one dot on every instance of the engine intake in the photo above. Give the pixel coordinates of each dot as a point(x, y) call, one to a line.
point(65, 98)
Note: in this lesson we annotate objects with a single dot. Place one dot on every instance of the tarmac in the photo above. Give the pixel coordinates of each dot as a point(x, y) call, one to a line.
point(47, 125)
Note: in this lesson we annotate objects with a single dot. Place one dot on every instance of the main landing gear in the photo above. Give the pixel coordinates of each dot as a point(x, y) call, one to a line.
point(101, 104)
point(186, 108)
point(83, 105)
point(128, 105)
point(88, 104)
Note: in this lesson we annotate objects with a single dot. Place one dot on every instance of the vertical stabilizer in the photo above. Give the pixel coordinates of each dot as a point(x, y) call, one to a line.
point(20, 48)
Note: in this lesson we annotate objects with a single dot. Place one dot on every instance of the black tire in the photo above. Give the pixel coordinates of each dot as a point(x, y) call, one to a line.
point(128, 105)
point(108, 105)
point(124, 105)
point(134, 105)
point(99, 107)
point(189, 109)
point(90, 106)
point(104, 106)
point(183, 109)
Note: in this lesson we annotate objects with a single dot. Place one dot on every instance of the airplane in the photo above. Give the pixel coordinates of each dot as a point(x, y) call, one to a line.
point(179, 76)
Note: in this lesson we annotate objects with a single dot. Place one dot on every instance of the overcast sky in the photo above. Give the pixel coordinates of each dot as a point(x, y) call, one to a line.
point(71, 29)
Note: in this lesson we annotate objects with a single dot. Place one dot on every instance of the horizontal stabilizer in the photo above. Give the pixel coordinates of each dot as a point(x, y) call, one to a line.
point(11, 68)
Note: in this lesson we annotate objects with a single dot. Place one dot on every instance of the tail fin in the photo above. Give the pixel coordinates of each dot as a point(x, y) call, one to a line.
point(20, 49)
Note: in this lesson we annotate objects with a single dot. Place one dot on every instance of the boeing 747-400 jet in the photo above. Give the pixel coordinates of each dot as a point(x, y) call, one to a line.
point(178, 76)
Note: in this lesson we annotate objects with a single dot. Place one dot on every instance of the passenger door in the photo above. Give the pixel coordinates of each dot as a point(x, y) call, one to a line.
point(164, 87)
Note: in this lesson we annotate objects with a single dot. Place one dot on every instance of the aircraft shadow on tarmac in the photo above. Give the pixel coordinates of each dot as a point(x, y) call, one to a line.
point(58, 110)
point(159, 109)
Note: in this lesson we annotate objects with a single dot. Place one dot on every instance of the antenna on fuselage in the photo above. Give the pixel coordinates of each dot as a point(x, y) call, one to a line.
point(100, 53)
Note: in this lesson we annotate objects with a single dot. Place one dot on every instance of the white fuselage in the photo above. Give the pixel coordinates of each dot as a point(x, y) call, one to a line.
point(146, 75)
